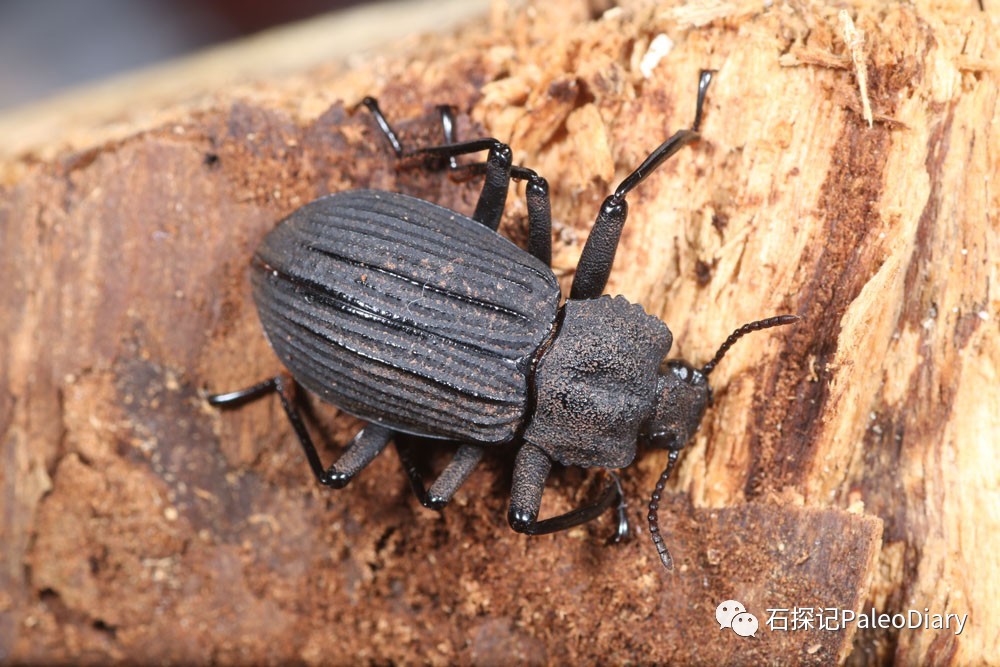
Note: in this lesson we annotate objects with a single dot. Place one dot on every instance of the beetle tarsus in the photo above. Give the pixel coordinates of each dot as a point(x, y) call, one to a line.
point(704, 78)
point(622, 530)
point(234, 399)
point(383, 125)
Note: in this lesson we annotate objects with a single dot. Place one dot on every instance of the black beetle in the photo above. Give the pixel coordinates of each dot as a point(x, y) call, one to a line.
point(420, 320)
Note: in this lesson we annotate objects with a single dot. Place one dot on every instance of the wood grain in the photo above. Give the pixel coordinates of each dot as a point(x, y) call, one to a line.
point(848, 462)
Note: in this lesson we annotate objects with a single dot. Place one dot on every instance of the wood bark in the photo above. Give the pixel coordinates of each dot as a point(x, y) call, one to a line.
point(848, 462)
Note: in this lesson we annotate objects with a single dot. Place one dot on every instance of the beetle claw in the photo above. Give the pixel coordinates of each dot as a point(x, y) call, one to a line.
point(621, 533)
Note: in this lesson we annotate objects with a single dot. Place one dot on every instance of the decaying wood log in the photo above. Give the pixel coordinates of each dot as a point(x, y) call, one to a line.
point(848, 462)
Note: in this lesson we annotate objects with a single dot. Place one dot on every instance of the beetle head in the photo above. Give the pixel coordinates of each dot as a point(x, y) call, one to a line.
point(682, 395)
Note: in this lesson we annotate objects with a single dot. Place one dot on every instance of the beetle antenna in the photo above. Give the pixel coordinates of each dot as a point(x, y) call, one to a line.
point(654, 515)
point(778, 321)
point(674, 454)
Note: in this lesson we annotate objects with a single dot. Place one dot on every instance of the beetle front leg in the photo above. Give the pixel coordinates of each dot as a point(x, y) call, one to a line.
point(531, 468)
point(598, 255)
point(366, 445)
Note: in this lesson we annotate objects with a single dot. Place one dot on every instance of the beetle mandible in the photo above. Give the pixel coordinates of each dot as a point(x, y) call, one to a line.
point(418, 319)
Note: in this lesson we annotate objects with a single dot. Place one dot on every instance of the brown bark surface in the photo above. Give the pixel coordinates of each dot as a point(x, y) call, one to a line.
point(848, 462)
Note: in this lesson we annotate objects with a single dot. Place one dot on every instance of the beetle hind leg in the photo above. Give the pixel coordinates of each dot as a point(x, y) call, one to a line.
point(451, 478)
point(366, 445)
point(498, 171)
point(536, 191)
point(531, 468)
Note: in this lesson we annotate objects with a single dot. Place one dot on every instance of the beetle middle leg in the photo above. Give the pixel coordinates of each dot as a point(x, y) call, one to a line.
point(362, 450)
point(498, 170)
point(531, 468)
point(453, 476)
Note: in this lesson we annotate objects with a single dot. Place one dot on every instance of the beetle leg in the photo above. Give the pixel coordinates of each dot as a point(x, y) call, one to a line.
point(539, 206)
point(497, 167)
point(448, 126)
point(489, 208)
point(531, 468)
point(539, 214)
point(239, 397)
point(453, 476)
point(599, 252)
point(536, 192)
point(365, 446)
point(362, 450)
point(447, 150)
point(371, 104)
point(498, 170)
